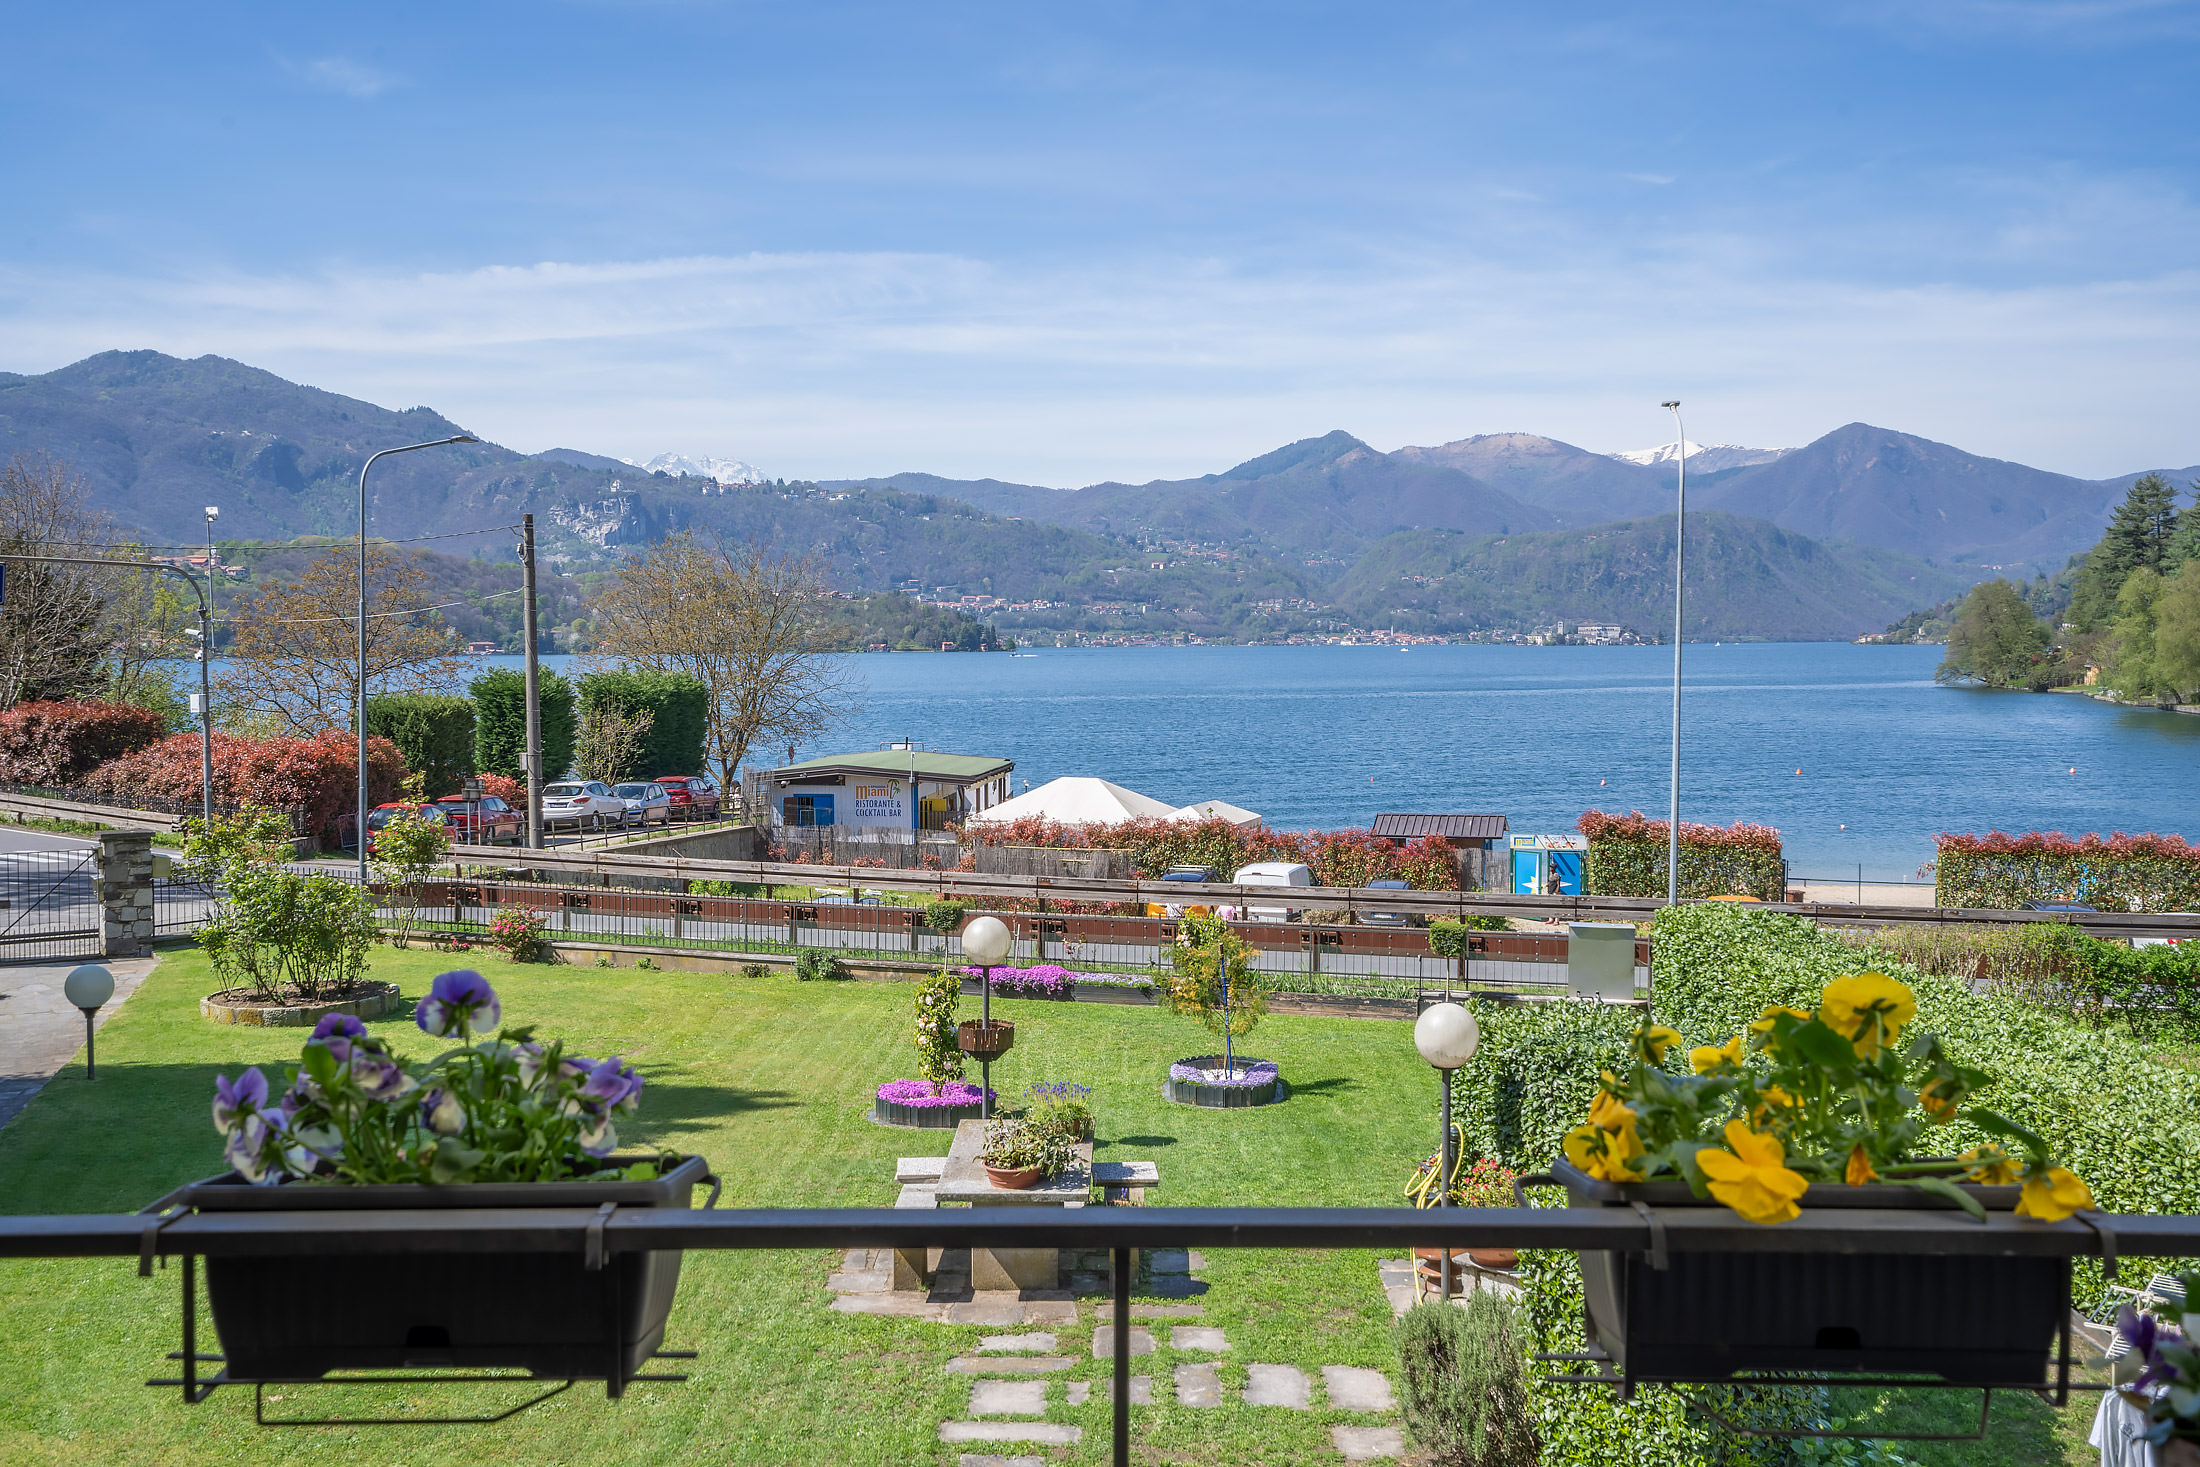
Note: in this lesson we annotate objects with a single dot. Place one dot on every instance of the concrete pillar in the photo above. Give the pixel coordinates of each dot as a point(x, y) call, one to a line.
point(126, 893)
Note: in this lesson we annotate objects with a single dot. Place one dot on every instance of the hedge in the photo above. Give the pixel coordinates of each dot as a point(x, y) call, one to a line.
point(59, 743)
point(435, 733)
point(500, 723)
point(316, 775)
point(1627, 858)
point(2125, 873)
point(1349, 857)
point(679, 710)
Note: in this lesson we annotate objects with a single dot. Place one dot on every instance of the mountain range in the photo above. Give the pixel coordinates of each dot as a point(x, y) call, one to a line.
point(1834, 538)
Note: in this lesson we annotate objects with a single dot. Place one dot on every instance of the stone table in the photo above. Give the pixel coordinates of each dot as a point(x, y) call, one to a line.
point(963, 1180)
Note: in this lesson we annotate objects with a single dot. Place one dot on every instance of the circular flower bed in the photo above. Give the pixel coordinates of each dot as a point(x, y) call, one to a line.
point(367, 999)
point(1201, 1080)
point(926, 1106)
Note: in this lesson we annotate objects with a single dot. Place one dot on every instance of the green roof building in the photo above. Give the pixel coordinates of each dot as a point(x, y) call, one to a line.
point(873, 790)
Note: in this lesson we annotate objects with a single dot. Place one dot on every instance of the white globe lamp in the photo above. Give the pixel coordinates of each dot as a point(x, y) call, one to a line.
point(88, 986)
point(985, 941)
point(1446, 1035)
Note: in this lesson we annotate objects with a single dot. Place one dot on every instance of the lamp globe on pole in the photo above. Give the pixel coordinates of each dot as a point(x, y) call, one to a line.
point(88, 986)
point(1446, 1034)
point(985, 941)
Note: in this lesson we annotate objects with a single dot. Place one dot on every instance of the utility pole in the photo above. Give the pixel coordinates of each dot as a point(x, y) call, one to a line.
point(529, 631)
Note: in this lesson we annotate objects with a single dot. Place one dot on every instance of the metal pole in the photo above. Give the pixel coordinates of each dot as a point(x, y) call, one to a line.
point(1121, 1456)
point(206, 685)
point(1443, 1180)
point(1673, 812)
point(985, 1028)
point(359, 688)
point(89, 1072)
point(532, 756)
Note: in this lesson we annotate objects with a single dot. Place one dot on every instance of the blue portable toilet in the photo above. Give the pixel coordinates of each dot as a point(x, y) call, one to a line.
point(1547, 865)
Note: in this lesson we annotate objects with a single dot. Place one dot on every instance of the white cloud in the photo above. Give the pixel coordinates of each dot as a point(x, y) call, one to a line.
point(338, 74)
point(844, 364)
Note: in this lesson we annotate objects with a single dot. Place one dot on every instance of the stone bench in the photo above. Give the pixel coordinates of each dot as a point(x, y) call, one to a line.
point(1125, 1181)
point(919, 1168)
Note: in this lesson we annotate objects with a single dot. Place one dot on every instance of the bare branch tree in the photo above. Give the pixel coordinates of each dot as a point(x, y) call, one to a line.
point(54, 633)
point(743, 622)
point(295, 653)
point(610, 741)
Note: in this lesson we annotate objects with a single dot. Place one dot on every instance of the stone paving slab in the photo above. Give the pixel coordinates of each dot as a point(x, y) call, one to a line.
point(1008, 1364)
point(902, 1306)
point(1177, 1286)
point(1276, 1385)
point(1169, 1260)
point(991, 1459)
point(1141, 1391)
point(1352, 1388)
point(1008, 1398)
point(1197, 1337)
point(1046, 1433)
point(1103, 1341)
point(1050, 1311)
point(1033, 1344)
point(1152, 1311)
point(1366, 1443)
point(1198, 1385)
point(993, 1309)
point(866, 1282)
point(41, 1031)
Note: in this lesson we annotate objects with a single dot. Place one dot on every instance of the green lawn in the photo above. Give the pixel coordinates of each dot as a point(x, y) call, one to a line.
point(771, 1080)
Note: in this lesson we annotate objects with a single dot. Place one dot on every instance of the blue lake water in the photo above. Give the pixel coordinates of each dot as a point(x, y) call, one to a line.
point(1327, 736)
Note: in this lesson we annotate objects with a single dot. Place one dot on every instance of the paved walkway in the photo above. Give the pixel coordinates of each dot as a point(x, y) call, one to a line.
point(40, 1031)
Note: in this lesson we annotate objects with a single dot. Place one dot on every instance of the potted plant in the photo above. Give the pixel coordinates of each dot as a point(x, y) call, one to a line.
point(1065, 1106)
point(1484, 1182)
point(509, 1121)
point(1021, 1154)
point(2167, 1389)
point(1835, 1106)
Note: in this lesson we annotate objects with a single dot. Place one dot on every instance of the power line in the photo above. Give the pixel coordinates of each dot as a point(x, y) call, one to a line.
point(277, 545)
point(299, 621)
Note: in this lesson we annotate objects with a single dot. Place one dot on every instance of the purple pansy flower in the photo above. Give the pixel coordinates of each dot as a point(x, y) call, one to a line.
point(335, 1033)
point(250, 1146)
point(441, 1113)
point(612, 1086)
point(378, 1077)
point(460, 1000)
point(601, 1138)
point(232, 1100)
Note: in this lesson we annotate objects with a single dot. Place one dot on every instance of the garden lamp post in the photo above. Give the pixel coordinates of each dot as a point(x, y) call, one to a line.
point(985, 942)
point(1446, 1035)
point(88, 986)
point(359, 695)
point(1680, 526)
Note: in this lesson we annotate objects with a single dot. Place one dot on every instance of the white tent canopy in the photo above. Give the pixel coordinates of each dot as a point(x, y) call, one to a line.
point(1076, 800)
point(1218, 810)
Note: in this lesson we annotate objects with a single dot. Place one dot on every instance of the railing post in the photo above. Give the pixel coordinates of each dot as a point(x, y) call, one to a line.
point(1121, 1456)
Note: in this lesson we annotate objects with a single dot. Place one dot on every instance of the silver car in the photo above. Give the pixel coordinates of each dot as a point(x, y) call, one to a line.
point(585, 804)
point(645, 802)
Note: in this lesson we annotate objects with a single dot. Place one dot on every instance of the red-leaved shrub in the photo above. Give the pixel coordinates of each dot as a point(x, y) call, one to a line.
point(317, 775)
point(511, 791)
point(1338, 857)
point(2124, 873)
point(57, 744)
point(1627, 858)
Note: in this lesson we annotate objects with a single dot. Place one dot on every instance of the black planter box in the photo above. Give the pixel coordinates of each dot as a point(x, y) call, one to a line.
point(1971, 1320)
point(1219, 1097)
point(975, 988)
point(1116, 993)
point(292, 1318)
point(923, 1117)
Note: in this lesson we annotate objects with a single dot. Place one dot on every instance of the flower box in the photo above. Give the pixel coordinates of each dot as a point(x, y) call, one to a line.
point(287, 1317)
point(1971, 1320)
point(984, 1041)
point(906, 1103)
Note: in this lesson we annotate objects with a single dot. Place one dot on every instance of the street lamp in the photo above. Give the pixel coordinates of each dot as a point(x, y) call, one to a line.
point(206, 662)
point(985, 942)
point(359, 690)
point(88, 986)
point(1673, 811)
point(1446, 1035)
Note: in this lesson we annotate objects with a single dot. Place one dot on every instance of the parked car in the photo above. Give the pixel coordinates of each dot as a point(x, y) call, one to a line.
point(487, 821)
point(380, 817)
point(694, 796)
point(2059, 907)
point(1388, 919)
point(646, 801)
point(1273, 873)
point(584, 804)
point(1175, 909)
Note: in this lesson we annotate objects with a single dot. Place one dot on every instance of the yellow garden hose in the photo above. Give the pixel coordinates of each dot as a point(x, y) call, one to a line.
point(1423, 1188)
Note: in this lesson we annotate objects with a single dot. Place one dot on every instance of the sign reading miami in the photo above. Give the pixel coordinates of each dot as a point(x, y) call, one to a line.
point(879, 802)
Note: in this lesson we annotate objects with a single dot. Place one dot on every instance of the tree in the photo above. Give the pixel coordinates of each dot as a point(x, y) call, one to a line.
point(435, 733)
point(2141, 534)
point(2130, 669)
point(500, 723)
point(611, 740)
point(54, 631)
point(2177, 632)
point(1214, 981)
point(148, 616)
point(743, 622)
point(1995, 639)
point(679, 716)
point(294, 656)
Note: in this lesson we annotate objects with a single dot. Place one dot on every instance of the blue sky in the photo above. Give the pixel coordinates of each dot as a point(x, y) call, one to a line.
point(1063, 244)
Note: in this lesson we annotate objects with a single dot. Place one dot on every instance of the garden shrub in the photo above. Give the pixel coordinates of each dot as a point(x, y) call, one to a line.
point(2125, 873)
point(1214, 980)
point(815, 964)
point(943, 916)
point(500, 722)
point(435, 733)
point(1463, 1383)
point(678, 706)
point(316, 776)
point(1336, 857)
point(405, 851)
point(57, 744)
point(938, 1060)
point(1627, 858)
point(289, 937)
point(519, 933)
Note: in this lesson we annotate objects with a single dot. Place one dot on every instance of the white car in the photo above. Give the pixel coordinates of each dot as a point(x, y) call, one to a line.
point(585, 804)
point(646, 801)
point(1272, 873)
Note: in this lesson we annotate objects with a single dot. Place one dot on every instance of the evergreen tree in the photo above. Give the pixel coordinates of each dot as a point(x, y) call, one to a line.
point(500, 722)
point(2142, 533)
point(2130, 670)
point(1996, 639)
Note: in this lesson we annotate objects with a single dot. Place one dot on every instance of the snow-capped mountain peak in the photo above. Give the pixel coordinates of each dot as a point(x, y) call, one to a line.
point(718, 470)
point(1705, 456)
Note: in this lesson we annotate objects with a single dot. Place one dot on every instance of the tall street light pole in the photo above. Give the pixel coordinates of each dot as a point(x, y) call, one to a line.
point(1673, 811)
point(359, 689)
point(206, 685)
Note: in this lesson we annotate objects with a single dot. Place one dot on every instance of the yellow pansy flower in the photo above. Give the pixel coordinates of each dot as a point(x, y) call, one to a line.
point(1859, 1169)
point(1653, 1040)
point(1762, 1026)
point(1940, 1099)
point(1709, 1057)
point(1751, 1179)
point(2053, 1196)
point(1611, 1156)
point(1992, 1166)
point(1771, 1098)
point(1868, 1009)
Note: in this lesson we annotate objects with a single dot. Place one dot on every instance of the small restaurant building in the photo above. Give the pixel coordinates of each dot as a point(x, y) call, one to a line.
point(900, 788)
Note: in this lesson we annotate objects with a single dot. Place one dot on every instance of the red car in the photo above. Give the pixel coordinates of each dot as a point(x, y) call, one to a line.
point(381, 815)
point(694, 796)
point(487, 821)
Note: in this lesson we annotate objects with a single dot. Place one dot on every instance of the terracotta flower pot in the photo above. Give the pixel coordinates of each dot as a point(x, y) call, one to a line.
point(1015, 1179)
point(1505, 1260)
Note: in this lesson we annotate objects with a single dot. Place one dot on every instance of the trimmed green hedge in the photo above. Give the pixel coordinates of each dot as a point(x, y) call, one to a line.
point(679, 712)
point(1627, 858)
point(2125, 873)
point(433, 731)
point(500, 723)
